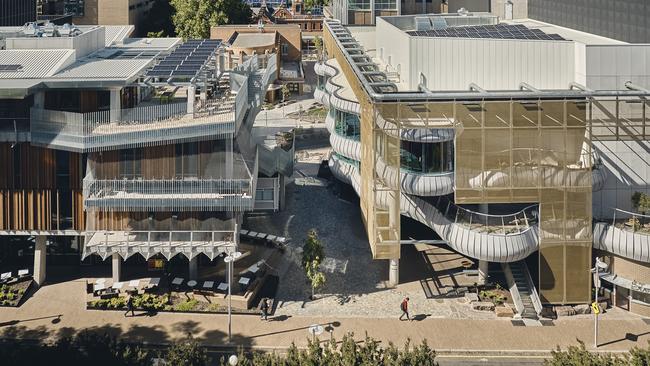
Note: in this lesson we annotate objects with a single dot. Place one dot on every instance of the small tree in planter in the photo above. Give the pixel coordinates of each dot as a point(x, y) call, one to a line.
point(641, 202)
point(313, 254)
point(316, 277)
point(285, 92)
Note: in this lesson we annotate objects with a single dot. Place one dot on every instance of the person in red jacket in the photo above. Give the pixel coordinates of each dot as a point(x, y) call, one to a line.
point(405, 309)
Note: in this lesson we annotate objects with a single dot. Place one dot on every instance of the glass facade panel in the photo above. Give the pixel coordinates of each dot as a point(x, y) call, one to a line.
point(427, 158)
point(348, 125)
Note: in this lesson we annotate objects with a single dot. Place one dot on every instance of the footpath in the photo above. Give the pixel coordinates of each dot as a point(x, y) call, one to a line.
point(58, 310)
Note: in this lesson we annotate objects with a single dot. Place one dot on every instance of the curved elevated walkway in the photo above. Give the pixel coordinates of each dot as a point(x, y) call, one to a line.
point(476, 241)
point(626, 243)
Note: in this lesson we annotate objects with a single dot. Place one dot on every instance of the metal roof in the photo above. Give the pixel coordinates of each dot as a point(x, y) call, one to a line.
point(35, 64)
point(116, 33)
point(91, 68)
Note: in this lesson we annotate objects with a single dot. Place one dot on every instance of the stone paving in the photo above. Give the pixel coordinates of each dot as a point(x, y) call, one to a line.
point(355, 282)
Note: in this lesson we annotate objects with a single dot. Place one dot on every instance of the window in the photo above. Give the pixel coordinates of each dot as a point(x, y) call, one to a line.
point(285, 49)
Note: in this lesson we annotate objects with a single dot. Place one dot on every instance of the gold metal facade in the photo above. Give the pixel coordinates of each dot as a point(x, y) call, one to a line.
point(534, 151)
point(379, 201)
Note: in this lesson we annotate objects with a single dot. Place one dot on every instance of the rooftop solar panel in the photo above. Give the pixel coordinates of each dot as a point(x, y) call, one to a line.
point(499, 31)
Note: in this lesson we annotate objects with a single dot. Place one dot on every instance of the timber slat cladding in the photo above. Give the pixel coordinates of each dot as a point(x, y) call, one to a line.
point(29, 196)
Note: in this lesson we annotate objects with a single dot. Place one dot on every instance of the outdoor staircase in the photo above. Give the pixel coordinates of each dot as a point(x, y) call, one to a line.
point(522, 290)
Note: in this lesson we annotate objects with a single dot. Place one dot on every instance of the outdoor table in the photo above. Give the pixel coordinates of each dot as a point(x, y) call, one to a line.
point(177, 281)
point(154, 281)
point(5, 276)
point(243, 283)
point(134, 283)
point(99, 287)
point(222, 286)
point(271, 237)
point(261, 235)
point(23, 272)
point(208, 284)
point(254, 268)
point(118, 285)
point(191, 284)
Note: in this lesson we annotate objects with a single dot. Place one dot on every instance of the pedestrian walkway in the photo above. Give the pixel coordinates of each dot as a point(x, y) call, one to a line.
point(58, 310)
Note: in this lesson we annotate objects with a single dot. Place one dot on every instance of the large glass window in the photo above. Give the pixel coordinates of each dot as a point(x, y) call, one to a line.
point(131, 163)
point(348, 125)
point(425, 158)
point(187, 160)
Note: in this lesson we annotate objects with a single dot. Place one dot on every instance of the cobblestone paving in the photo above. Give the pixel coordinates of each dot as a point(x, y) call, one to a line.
point(355, 283)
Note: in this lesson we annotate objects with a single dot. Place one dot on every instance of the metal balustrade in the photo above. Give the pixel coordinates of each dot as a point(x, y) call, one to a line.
point(135, 127)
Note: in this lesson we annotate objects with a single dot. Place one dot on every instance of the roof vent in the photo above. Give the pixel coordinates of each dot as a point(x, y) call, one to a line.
point(69, 30)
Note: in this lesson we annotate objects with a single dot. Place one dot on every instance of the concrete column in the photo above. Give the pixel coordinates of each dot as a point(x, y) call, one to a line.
point(116, 105)
point(483, 272)
point(191, 92)
point(39, 100)
point(204, 91)
point(116, 262)
point(393, 272)
point(40, 255)
point(194, 268)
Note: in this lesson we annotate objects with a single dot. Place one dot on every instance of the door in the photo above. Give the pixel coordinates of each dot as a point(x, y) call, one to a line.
point(623, 298)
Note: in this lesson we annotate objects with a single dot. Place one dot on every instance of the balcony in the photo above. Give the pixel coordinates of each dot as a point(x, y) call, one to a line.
point(148, 124)
point(231, 191)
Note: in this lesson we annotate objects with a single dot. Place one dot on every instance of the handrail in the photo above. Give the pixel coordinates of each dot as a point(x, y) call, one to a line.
point(508, 224)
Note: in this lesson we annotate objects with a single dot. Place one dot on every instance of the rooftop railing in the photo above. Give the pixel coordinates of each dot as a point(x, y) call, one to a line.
point(635, 222)
point(509, 224)
point(135, 127)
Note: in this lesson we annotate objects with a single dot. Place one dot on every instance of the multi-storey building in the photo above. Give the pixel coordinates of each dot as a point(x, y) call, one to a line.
point(118, 146)
point(17, 12)
point(101, 12)
point(500, 137)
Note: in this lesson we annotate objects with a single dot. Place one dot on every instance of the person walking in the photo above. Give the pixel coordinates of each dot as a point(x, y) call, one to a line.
point(264, 306)
point(404, 306)
point(129, 306)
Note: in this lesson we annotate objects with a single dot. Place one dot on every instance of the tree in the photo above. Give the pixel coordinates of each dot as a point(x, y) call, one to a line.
point(188, 353)
point(318, 44)
point(313, 254)
point(641, 202)
point(285, 92)
point(158, 22)
point(194, 18)
point(315, 275)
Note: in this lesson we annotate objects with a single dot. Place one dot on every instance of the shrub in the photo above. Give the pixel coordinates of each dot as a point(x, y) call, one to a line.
point(150, 302)
point(117, 303)
point(187, 353)
point(187, 305)
point(11, 296)
point(493, 296)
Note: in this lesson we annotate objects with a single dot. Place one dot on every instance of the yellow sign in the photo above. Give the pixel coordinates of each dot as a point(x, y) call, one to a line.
point(595, 308)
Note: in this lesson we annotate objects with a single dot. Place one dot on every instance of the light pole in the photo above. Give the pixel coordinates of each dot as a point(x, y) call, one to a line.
point(597, 267)
point(230, 259)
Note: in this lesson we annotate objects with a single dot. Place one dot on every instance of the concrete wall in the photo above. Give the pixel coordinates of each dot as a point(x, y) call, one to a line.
point(610, 66)
point(519, 8)
point(454, 63)
point(626, 20)
point(628, 170)
point(471, 5)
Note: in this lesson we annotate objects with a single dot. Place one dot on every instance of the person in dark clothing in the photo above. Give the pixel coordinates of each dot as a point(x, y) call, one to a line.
point(129, 306)
point(264, 306)
point(404, 306)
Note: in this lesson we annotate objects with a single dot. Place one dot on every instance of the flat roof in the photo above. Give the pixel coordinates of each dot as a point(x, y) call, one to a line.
point(567, 33)
point(254, 40)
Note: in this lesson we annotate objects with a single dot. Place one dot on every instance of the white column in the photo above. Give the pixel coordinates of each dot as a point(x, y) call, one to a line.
point(117, 267)
point(191, 92)
point(40, 255)
point(116, 105)
point(482, 272)
point(393, 272)
point(194, 268)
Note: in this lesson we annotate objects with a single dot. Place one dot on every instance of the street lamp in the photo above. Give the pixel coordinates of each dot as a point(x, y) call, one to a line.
point(230, 259)
point(600, 265)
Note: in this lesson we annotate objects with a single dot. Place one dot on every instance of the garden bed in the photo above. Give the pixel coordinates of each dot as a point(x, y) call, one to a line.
point(12, 294)
point(176, 302)
point(495, 294)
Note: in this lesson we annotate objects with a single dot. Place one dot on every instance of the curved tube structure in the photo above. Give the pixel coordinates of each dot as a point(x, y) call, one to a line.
point(474, 242)
point(415, 134)
point(628, 244)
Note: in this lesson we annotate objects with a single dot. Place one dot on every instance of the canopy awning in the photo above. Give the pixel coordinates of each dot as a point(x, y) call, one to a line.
point(167, 243)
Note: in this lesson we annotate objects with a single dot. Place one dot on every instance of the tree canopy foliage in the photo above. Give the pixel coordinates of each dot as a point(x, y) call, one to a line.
point(158, 22)
point(194, 18)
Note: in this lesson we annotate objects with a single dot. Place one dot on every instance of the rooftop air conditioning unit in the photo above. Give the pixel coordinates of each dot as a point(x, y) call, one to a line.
point(69, 30)
point(463, 12)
